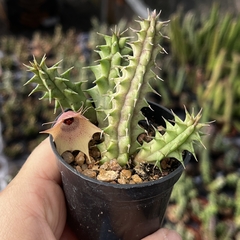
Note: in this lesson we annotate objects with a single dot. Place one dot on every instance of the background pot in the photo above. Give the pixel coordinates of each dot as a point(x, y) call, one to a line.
point(105, 211)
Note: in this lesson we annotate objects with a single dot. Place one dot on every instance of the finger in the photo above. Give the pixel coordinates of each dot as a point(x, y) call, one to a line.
point(42, 163)
point(164, 234)
point(40, 179)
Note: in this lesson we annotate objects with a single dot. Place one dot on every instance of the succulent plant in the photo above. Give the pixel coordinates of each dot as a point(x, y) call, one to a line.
point(123, 75)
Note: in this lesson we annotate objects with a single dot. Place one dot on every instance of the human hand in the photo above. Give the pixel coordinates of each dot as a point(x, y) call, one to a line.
point(33, 206)
point(164, 234)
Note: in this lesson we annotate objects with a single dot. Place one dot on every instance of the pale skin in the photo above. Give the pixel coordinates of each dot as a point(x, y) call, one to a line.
point(33, 207)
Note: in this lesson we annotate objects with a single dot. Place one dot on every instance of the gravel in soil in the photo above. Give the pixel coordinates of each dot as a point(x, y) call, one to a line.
point(114, 173)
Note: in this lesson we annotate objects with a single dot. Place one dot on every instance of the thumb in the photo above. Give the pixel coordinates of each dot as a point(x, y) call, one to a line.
point(164, 234)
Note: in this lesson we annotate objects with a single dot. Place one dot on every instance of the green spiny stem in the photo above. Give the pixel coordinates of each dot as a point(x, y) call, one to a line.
point(112, 58)
point(131, 89)
point(105, 72)
point(173, 142)
point(57, 86)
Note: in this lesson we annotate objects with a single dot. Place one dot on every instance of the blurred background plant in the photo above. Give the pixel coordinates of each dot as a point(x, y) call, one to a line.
point(204, 55)
point(201, 70)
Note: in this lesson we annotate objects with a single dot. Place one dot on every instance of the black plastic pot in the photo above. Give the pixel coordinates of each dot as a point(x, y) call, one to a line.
point(105, 211)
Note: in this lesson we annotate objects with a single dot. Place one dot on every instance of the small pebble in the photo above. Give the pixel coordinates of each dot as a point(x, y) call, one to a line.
point(104, 166)
point(165, 163)
point(122, 181)
point(125, 174)
point(80, 158)
point(78, 168)
point(136, 178)
point(114, 165)
point(107, 176)
point(68, 157)
point(90, 173)
point(95, 167)
point(131, 182)
point(140, 171)
point(84, 166)
point(95, 153)
point(155, 177)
